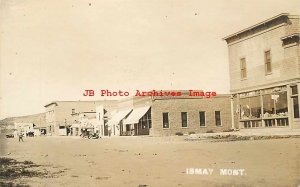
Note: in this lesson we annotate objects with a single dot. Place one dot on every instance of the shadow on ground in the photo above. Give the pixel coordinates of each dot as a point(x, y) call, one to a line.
point(11, 170)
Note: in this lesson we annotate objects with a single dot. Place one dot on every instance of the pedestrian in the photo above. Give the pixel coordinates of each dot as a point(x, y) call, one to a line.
point(21, 137)
point(109, 130)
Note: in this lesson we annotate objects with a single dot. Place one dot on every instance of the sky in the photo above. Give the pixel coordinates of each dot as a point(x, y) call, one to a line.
point(55, 49)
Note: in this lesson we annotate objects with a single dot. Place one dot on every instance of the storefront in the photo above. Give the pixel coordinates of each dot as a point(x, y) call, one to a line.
point(265, 108)
point(138, 122)
point(115, 124)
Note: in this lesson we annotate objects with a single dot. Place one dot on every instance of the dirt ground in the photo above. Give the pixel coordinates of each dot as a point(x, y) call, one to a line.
point(153, 161)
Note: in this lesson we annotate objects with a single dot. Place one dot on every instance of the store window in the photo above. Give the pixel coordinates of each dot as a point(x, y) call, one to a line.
point(275, 104)
point(268, 105)
point(146, 120)
point(296, 107)
point(128, 127)
point(294, 90)
point(281, 103)
point(274, 111)
point(245, 108)
point(255, 107)
point(295, 101)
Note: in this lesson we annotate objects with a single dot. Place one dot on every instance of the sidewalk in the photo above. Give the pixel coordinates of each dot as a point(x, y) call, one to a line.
point(250, 134)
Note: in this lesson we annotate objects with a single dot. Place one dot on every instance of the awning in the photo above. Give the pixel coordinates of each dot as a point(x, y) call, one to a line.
point(117, 117)
point(136, 115)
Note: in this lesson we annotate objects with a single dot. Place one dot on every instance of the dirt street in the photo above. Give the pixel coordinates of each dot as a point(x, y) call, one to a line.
point(153, 161)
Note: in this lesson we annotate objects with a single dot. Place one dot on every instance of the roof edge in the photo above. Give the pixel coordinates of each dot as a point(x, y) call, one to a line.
point(256, 25)
point(104, 100)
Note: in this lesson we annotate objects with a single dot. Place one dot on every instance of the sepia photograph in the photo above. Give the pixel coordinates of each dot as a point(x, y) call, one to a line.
point(149, 93)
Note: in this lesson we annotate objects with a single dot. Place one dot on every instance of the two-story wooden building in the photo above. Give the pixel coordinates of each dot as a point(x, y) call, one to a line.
point(264, 65)
point(60, 114)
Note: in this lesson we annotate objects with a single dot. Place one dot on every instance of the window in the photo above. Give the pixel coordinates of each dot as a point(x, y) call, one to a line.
point(250, 107)
point(202, 119)
point(296, 107)
point(50, 116)
point(245, 108)
point(184, 119)
point(144, 124)
point(268, 105)
point(218, 118)
point(268, 68)
point(294, 90)
point(73, 111)
point(275, 103)
point(166, 120)
point(255, 107)
point(243, 68)
point(295, 101)
point(281, 106)
point(149, 120)
point(265, 105)
point(127, 127)
point(145, 121)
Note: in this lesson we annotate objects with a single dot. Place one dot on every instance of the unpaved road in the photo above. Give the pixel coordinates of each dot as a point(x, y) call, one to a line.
point(153, 161)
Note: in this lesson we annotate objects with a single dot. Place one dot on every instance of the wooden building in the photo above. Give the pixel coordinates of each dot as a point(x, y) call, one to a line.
point(264, 65)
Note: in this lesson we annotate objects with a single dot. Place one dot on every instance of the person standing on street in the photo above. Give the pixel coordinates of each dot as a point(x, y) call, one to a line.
point(21, 137)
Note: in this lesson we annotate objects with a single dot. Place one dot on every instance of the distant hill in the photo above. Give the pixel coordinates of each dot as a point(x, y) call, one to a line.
point(37, 119)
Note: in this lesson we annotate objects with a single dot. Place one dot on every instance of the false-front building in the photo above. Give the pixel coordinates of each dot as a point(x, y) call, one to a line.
point(264, 70)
